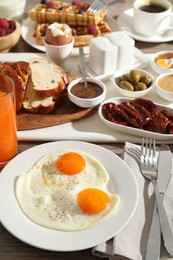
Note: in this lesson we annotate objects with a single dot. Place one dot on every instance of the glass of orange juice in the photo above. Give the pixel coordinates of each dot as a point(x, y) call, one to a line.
point(8, 126)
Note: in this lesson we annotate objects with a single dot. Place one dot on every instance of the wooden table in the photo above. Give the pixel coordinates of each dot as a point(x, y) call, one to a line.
point(10, 247)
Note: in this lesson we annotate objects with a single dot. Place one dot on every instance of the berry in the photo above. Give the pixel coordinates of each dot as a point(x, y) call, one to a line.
point(92, 29)
point(85, 6)
point(2, 32)
point(62, 8)
point(51, 5)
point(77, 3)
point(81, 11)
point(8, 31)
point(4, 23)
point(12, 24)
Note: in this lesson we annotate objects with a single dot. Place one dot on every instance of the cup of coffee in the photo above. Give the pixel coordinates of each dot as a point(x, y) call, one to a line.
point(151, 17)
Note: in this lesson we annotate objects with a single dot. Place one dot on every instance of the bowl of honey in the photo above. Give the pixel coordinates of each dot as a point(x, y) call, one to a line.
point(162, 62)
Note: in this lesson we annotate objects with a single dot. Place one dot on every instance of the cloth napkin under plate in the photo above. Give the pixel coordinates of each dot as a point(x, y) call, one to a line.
point(130, 243)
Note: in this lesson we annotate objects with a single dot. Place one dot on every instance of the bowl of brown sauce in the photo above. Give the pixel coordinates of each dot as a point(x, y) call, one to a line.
point(89, 96)
point(164, 86)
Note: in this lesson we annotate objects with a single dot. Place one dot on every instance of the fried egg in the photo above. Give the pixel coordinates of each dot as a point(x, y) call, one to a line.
point(66, 190)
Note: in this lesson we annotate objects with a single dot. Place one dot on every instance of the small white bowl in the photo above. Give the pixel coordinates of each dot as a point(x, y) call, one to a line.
point(86, 102)
point(128, 93)
point(58, 54)
point(162, 55)
point(165, 94)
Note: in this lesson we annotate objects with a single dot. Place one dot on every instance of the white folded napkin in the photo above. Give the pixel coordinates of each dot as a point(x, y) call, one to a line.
point(130, 243)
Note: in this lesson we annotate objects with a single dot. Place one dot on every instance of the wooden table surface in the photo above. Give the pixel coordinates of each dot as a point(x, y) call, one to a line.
point(10, 247)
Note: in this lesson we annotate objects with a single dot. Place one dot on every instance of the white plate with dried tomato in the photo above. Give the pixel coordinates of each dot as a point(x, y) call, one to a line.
point(140, 117)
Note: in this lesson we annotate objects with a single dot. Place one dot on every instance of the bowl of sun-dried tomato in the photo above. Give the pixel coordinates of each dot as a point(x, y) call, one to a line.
point(9, 34)
point(133, 83)
point(138, 117)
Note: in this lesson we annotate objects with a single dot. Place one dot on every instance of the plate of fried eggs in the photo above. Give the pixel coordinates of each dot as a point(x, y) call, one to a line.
point(66, 195)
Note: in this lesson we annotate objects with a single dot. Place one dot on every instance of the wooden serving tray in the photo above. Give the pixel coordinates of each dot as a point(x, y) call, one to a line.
point(65, 112)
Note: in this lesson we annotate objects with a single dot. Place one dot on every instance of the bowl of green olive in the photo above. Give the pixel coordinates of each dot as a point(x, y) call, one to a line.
point(133, 83)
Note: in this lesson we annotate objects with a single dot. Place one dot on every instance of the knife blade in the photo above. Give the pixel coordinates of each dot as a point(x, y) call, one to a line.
point(163, 178)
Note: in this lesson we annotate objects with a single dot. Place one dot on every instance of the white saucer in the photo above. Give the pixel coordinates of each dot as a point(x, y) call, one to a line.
point(124, 22)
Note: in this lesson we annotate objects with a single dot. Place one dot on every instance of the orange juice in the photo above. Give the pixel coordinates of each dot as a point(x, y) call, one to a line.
point(8, 128)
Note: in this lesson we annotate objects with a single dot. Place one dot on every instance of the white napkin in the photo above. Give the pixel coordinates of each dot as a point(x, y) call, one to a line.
point(130, 243)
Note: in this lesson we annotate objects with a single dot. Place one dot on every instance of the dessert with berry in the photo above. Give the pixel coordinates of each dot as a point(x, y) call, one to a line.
point(73, 14)
point(84, 25)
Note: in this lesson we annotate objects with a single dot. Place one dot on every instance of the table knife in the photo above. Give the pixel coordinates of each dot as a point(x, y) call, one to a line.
point(163, 178)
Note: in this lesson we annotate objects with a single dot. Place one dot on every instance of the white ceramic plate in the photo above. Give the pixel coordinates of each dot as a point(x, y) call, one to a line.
point(124, 22)
point(130, 130)
point(24, 229)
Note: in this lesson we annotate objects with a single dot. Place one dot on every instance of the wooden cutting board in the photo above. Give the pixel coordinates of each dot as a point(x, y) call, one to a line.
point(66, 112)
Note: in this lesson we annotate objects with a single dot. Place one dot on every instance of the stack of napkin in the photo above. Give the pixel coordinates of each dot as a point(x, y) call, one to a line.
point(130, 243)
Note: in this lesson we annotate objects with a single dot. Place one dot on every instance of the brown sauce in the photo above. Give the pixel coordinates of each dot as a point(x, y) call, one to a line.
point(166, 83)
point(91, 91)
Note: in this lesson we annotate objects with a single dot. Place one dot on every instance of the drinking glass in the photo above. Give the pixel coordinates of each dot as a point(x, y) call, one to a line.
point(8, 125)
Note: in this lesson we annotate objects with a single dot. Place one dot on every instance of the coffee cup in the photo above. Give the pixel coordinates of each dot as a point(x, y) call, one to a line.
point(151, 16)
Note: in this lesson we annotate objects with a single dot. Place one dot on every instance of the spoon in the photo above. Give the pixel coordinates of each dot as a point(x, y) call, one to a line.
point(82, 58)
point(165, 62)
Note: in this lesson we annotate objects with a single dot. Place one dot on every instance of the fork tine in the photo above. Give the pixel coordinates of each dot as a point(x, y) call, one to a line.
point(148, 152)
point(142, 151)
point(96, 6)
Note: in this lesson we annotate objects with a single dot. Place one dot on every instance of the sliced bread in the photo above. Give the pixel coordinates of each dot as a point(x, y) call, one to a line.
point(48, 78)
point(36, 104)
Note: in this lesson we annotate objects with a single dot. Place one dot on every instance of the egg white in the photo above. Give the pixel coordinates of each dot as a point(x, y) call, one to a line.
point(49, 198)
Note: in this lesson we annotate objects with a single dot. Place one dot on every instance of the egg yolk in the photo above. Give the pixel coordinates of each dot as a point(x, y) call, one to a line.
point(163, 63)
point(92, 200)
point(70, 163)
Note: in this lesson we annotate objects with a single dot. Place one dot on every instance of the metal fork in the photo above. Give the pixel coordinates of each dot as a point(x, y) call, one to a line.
point(148, 165)
point(96, 6)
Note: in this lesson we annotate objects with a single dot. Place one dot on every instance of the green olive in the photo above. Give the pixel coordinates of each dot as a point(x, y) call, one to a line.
point(124, 77)
point(146, 79)
point(140, 86)
point(126, 85)
point(134, 76)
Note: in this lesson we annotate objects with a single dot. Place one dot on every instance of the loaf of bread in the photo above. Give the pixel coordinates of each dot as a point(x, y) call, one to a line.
point(19, 72)
point(63, 12)
point(48, 78)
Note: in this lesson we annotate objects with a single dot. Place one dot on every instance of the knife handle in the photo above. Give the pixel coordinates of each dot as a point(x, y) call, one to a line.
point(154, 238)
point(164, 222)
